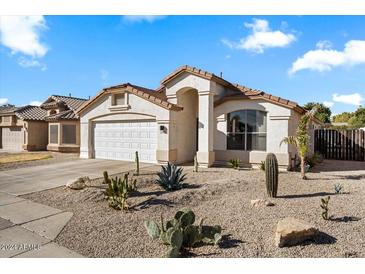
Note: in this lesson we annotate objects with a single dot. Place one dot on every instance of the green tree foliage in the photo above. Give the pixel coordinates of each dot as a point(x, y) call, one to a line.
point(354, 119)
point(358, 119)
point(323, 112)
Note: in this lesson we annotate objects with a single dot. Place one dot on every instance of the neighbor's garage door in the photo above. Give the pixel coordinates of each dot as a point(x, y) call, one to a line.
point(121, 140)
point(12, 138)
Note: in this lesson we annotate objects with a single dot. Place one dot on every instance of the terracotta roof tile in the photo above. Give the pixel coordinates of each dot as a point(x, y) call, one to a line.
point(31, 113)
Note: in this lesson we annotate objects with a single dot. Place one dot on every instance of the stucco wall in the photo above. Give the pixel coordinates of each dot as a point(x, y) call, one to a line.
point(186, 130)
point(278, 123)
point(36, 135)
point(137, 109)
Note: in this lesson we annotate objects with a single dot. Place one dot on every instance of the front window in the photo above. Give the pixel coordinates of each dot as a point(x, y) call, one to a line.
point(69, 134)
point(246, 130)
point(53, 134)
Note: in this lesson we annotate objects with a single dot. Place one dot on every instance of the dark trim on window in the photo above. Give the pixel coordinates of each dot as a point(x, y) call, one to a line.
point(246, 130)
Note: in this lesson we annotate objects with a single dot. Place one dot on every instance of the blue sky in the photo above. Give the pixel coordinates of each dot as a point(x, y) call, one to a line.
point(301, 58)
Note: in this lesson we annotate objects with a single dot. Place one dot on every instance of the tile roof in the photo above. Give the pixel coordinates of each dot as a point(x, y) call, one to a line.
point(25, 112)
point(63, 115)
point(7, 109)
point(31, 113)
point(145, 93)
point(158, 96)
point(71, 103)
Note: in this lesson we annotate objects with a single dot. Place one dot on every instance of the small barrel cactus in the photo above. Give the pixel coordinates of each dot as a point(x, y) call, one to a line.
point(272, 175)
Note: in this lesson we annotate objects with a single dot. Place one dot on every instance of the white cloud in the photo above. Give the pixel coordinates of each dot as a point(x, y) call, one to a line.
point(35, 103)
point(104, 74)
point(351, 99)
point(22, 34)
point(28, 63)
point(3, 101)
point(328, 104)
point(228, 56)
point(262, 37)
point(142, 18)
point(324, 58)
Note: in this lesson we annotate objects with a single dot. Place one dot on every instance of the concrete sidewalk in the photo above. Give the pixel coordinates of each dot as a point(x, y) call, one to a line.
point(27, 229)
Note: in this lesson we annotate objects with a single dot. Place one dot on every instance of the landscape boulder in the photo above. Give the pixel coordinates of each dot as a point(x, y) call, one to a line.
point(261, 202)
point(77, 184)
point(291, 231)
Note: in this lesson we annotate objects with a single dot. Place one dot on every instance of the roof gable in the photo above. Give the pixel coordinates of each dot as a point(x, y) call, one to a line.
point(148, 94)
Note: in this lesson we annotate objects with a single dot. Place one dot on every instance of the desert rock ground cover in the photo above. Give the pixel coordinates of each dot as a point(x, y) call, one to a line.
point(223, 196)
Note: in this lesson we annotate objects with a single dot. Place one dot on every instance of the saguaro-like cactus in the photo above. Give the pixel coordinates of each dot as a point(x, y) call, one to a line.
point(272, 175)
point(137, 164)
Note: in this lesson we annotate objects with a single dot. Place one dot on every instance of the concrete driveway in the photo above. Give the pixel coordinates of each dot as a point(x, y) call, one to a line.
point(32, 179)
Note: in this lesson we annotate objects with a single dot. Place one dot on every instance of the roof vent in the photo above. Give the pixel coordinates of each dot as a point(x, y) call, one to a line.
point(69, 95)
point(221, 74)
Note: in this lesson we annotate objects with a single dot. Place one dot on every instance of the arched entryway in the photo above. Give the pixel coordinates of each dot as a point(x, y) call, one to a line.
point(187, 124)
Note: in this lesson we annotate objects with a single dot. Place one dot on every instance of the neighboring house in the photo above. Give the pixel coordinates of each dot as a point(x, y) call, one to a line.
point(194, 112)
point(63, 123)
point(23, 128)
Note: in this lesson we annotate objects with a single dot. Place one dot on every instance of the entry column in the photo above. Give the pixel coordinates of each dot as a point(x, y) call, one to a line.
point(205, 154)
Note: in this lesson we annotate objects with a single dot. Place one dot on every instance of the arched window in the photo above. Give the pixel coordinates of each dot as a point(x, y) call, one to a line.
point(246, 130)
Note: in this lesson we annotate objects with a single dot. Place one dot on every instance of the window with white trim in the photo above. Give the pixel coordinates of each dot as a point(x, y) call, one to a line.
point(246, 130)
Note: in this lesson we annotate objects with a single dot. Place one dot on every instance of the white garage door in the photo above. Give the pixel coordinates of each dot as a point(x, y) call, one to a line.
point(12, 138)
point(121, 140)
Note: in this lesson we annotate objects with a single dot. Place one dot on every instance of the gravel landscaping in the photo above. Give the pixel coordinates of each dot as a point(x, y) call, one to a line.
point(9, 160)
point(222, 196)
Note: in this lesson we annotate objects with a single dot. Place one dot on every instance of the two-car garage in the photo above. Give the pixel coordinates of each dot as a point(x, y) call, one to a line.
point(121, 139)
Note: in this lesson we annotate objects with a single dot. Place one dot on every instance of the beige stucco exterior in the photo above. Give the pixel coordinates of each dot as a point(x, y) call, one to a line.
point(60, 145)
point(34, 134)
point(200, 128)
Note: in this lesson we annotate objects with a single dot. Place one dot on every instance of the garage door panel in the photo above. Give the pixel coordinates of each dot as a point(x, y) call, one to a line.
point(12, 138)
point(120, 140)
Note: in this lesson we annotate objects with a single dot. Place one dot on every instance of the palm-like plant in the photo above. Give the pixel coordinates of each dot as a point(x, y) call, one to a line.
point(171, 177)
point(301, 140)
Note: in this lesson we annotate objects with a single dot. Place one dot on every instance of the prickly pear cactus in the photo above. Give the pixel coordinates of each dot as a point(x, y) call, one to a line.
point(272, 175)
point(180, 232)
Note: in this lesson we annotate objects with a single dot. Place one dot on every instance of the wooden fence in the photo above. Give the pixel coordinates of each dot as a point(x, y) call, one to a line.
point(340, 144)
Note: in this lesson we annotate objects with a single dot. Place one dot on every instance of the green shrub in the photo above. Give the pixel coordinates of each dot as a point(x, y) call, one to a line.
point(181, 233)
point(235, 163)
point(118, 192)
point(171, 177)
point(316, 158)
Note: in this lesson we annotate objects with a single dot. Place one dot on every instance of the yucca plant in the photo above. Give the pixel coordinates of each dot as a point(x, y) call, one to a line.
point(301, 139)
point(171, 177)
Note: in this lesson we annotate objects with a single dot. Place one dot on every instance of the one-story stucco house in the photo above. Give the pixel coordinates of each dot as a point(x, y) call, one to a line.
point(193, 112)
point(53, 126)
